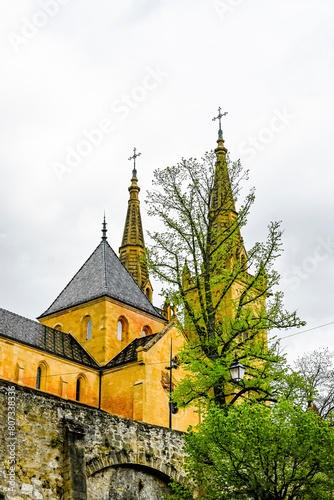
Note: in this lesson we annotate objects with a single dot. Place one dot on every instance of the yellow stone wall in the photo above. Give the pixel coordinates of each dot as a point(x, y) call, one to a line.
point(19, 364)
point(104, 314)
point(137, 390)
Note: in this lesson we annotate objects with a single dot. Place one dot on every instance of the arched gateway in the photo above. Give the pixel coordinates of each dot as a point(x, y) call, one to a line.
point(69, 451)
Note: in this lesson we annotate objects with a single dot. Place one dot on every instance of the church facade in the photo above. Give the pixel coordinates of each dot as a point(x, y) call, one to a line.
point(102, 342)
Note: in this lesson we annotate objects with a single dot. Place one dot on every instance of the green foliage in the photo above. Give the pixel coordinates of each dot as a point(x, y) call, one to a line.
point(229, 301)
point(180, 492)
point(227, 297)
point(256, 452)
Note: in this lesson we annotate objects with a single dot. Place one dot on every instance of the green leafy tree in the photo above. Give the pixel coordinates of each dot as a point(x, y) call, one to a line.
point(260, 452)
point(316, 369)
point(226, 296)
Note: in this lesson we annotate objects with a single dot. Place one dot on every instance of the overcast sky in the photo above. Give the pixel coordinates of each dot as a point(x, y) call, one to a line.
point(83, 83)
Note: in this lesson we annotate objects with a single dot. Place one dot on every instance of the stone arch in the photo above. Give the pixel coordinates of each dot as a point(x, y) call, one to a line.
point(140, 461)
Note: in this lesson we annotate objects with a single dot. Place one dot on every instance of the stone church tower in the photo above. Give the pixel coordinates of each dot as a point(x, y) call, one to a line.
point(132, 250)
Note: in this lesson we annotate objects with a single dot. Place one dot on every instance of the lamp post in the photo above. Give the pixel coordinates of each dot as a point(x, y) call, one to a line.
point(237, 370)
point(172, 366)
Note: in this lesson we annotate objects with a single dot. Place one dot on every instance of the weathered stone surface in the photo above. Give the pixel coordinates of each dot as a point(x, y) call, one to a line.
point(71, 451)
point(126, 484)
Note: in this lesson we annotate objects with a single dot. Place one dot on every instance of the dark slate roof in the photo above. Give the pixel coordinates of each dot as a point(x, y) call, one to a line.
point(42, 337)
point(129, 353)
point(103, 274)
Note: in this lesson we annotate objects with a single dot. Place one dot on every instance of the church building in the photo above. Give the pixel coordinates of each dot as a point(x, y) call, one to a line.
point(102, 342)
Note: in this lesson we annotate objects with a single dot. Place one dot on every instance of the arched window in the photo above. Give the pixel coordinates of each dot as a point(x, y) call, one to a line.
point(148, 293)
point(86, 328)
point(89, 330)
point(120, 330)
point(58, 326)
point(41, 376)
point(122, 327)
point(80, 388)
point(146, 331)
point(77, 390)
point(38, 378)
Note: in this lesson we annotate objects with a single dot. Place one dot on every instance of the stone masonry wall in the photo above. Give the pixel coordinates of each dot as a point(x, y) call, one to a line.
point(67, 450)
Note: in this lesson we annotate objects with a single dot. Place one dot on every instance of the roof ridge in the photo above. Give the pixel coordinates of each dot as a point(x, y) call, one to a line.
point(133, 343)
point(103, 274)
point(124, 266)
point(39, 328)
point(80, 345)
point(20, 316)
point(105, 265)
point(159, 335)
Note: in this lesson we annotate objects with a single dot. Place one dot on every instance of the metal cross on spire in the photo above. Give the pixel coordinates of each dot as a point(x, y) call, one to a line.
point(219, 117)
point(135, 155)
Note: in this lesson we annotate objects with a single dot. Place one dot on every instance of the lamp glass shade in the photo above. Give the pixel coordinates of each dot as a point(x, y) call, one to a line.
point(237, 371)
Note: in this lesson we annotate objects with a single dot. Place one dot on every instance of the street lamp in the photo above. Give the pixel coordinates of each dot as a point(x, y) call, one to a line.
point(173, 409)
point(237, 370)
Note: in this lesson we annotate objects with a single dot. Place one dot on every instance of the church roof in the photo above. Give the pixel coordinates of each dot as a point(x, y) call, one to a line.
point(43, 337)
point(102, 275)
point(129, 353)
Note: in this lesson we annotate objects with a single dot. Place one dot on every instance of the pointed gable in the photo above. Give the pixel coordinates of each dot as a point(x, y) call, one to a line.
point(102, 275)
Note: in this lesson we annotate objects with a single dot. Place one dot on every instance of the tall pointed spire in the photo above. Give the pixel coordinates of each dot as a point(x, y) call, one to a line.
point(132, 250)
point(222, 195)
point(104, 228)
